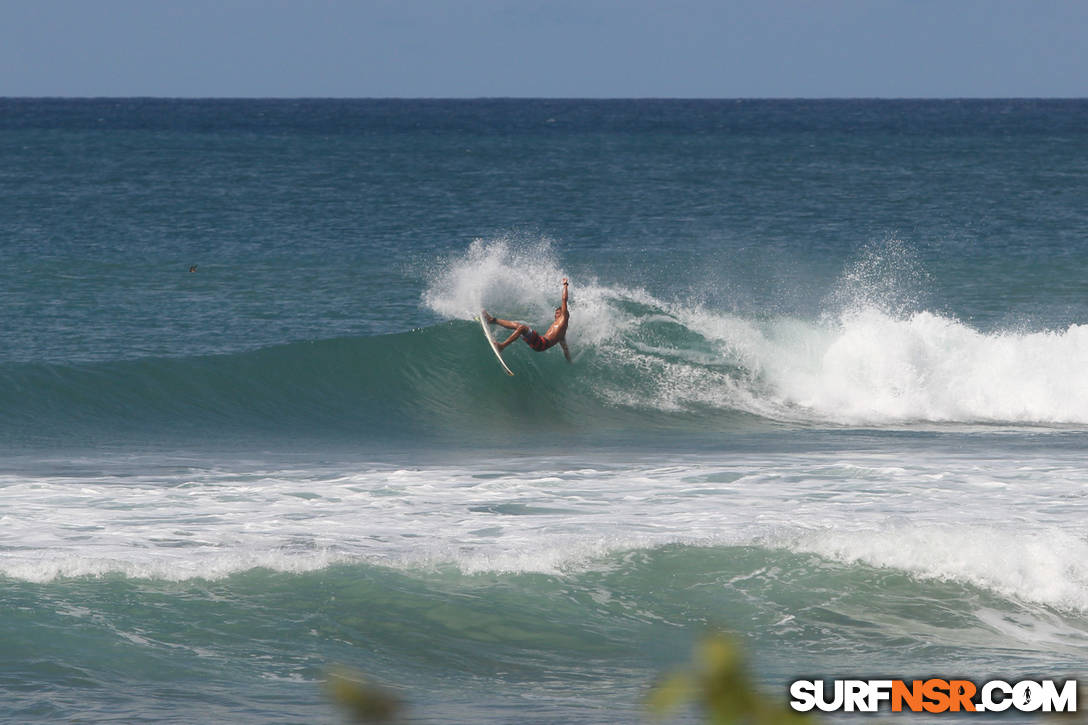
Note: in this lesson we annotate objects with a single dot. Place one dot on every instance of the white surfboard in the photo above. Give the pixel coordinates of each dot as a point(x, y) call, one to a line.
point(491, 341)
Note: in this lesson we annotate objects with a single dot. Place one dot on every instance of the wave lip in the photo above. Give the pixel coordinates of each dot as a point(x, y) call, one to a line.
point(1046, 566)
point(46, 567)
point(873, 368)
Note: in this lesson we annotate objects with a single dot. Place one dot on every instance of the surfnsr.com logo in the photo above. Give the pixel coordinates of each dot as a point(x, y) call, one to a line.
point(933, 695)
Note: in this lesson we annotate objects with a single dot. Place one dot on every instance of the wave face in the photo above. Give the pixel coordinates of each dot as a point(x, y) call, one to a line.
point(640, 363)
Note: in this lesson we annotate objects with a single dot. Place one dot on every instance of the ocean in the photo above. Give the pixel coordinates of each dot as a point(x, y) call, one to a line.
point(829, 393)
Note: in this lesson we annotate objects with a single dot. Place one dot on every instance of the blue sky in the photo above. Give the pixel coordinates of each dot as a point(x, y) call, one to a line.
point(544, 48)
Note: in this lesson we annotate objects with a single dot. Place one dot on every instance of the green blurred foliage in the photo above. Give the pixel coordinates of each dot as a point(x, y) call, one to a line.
point(717, 682)
point(363, 700)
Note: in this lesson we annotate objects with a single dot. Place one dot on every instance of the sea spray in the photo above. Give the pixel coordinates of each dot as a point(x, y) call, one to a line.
point(511, 276)
point(885, 275)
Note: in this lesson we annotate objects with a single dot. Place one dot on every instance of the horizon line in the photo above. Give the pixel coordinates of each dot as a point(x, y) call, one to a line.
point(540, 98)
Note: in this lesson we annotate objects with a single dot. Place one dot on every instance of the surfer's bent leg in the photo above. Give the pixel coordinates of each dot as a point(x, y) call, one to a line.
point(518, 329)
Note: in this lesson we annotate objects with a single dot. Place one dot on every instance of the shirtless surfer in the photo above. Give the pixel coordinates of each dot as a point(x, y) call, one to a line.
point(556, 334)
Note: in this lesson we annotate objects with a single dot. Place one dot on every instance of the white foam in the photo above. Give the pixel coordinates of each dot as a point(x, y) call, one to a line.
point(61, 563)
point(1047, 565)
point(874, 368)
point(929, 516)
point(870, 367)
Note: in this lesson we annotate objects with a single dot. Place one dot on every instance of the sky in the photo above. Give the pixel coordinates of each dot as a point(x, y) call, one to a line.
point(545, 48)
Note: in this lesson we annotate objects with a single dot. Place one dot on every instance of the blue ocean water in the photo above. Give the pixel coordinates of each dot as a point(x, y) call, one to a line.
point(829, 391)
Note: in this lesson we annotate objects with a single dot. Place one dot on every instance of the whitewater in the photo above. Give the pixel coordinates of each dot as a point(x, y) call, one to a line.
point(942, 519)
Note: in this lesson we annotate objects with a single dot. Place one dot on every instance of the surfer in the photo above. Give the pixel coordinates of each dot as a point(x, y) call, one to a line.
point(556, 334)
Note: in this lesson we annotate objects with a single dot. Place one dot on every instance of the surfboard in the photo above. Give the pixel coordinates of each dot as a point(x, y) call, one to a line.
point(491, 342)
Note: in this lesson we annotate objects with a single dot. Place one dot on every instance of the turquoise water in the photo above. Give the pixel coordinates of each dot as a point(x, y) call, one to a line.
point(829, 391)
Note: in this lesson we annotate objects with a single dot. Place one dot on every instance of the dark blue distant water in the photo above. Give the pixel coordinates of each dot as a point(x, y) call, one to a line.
point(829, 390)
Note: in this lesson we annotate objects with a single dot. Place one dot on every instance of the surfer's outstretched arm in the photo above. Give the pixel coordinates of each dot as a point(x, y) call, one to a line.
point(566, 352)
